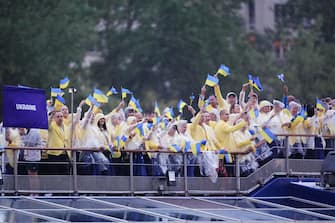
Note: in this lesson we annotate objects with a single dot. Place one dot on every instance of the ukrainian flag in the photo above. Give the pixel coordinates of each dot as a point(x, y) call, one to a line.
point(320, 105)
point(257, 84)
point(90, 100)
point(169, 114)
point(100, 96)
point(174, 148)
point(59, 102)
point(111, 91)
point(266, 134)
point(124, 92)
point(64, 83)
point(297, 119)
point(139, 129)
point(56, 91)
point(251, 80)
point(156, 109)
point(211, 80)
point(195, 148)
point(223, 70)
point(181, 104)
point(223, 154)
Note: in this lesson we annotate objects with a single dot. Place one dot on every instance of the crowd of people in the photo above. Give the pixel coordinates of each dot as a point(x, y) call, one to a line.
point(219, 128)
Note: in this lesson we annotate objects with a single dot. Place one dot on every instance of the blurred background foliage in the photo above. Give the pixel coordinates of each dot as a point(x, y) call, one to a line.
point(163, 49)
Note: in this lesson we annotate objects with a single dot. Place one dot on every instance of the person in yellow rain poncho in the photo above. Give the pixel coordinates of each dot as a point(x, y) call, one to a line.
point(295, 126)
point(314, 124)
point(117, 132)
point(200, 130)
point(12, 138)
point(274, 123)
point(58, 137)
point(172, 142)
point(245, 143)
point(224, 131)
point(94, 135)
point(135, 134)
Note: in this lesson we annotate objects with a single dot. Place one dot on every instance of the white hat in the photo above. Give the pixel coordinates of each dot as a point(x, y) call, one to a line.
point(264, 103)
point(279, 103)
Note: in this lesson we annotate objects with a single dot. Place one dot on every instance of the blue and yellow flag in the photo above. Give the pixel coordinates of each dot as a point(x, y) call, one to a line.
point(124, 92)
point(223, 154)
point(135, 104)
point(56, 91)
point(139, 129)
point(64, 83)
point(223, 70)
point(181, 104)
point(255, 82)
point(266, 134)
point(169, 114)
point(100, 96)
point(59, 102)
point(195, 148)
point(92, 101)
point(211, 80)
point(111, 91)
point(320, 105)
point(156, 109)
point(174, 148)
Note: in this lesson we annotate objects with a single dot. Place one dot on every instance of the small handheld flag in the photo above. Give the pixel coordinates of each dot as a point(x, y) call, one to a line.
point(281, 77)
point(266, 134)
point(64, 83)
point(124, 92)
point(181, 104)
point(111, 91)
point(100, 96)
point(59, 102)
point(56, 91)
point(156, 109)
point(92, 101)
point(320, 105)
point(223, 70)
point(211, 80)
point(174, 148)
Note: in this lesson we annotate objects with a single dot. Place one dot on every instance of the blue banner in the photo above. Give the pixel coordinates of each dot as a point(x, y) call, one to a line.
point(24, 107)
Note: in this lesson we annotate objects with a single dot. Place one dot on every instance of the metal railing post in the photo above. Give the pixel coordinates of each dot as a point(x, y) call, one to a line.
point(237, 172)
point(16, 178)
point(185, 174)
point(75, 172)
point(131, 174)
point(287, 148)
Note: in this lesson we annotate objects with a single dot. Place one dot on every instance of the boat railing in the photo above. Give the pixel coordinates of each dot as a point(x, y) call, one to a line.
point(177, 179)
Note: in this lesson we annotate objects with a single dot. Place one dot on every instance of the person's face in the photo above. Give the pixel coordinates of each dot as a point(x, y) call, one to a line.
point(231, 99)
point(58, 117)
point(65, 111)
point(237, 109)
point(224, 116)
point(294, 110)
point(253, 100)
point(22, 131)
point(182, 128)
point(212, 100)
point(139, 117)
point(212, 117)
point(115, 121)
point(172, 130)
point(206, 118)
point(101, 122)
point(277, 108)
point(266, 109)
